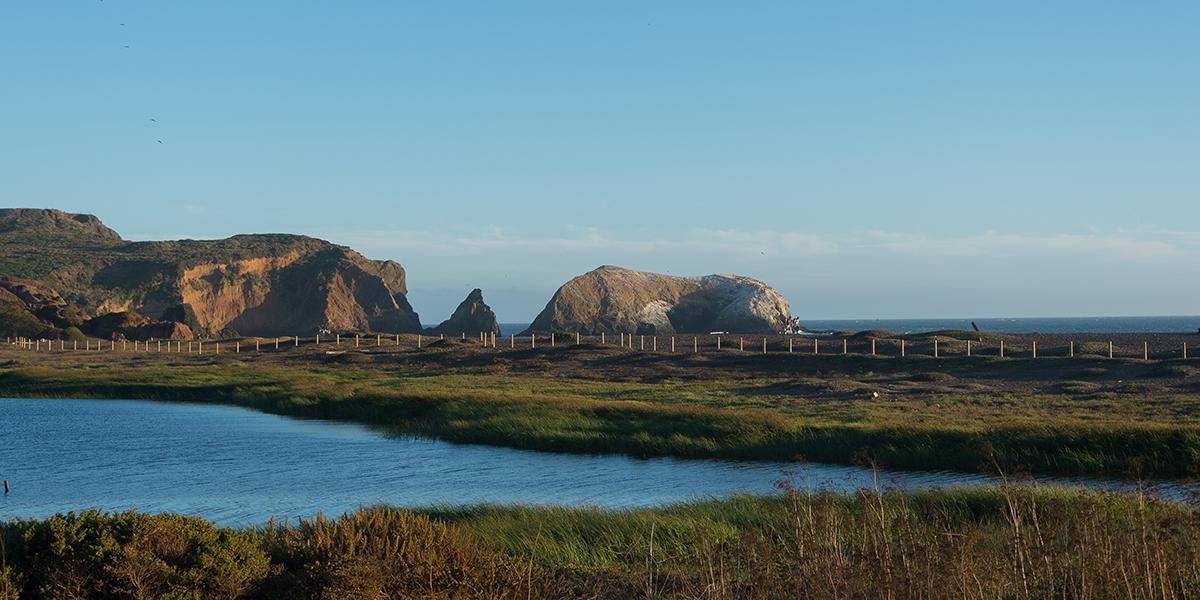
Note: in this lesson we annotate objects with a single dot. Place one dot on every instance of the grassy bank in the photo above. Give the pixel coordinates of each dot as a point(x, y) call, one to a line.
point(980, 543)
point(702, 417)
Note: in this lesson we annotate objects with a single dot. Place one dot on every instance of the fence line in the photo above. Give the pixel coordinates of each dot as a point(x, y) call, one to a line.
point(936, 347)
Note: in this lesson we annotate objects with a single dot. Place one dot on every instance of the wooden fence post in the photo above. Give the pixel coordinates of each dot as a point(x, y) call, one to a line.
point(512, 338)
point(551, 339)
point(296, 339)
point(741, 344)
point(816, 346)
point(642, 339)
point(872, 346)
point(276, 342)
point(1001, 348)
point(1185, 350)
point(256, 342)
point(1145, 350)
point(790, 345)
point(1071, 351)
point(200, 347)
point(968, 347)
point(845, 347)
point(397, 339)
point(356, 336)
point(764, 345)
point(1110, 349)
point(672, 344)
point(533, 340)
point(935, 348)
point(718, 342)
point(655, 343)
point(237, 347)
point(1035, 348)
point(602, 338)
point(902, 352)
point(338, 339)
point(418, 340)
point(695, 344)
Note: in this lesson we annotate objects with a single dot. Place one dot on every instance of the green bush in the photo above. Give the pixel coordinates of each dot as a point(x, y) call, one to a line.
point(133, 555)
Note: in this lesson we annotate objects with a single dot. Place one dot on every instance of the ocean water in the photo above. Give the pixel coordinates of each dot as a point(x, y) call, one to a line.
point(1177, 324)
point(237, 466)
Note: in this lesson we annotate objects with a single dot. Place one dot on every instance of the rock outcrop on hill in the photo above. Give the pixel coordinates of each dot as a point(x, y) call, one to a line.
point(613, 299)
point(270, 284)
point(32, 310)
point(472, 316)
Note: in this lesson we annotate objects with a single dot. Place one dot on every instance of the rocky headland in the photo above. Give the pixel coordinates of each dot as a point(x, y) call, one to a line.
point(63, 269)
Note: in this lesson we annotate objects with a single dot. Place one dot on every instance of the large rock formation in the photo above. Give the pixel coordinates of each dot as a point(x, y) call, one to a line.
point(132, 326)
point(271, 284)
point(613, 299)
point(472, 316)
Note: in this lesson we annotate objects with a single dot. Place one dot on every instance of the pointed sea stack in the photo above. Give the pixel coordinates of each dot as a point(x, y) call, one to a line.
point(472, 316)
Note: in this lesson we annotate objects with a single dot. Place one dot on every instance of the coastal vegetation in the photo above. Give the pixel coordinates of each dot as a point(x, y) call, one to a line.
point(996, 542)
point(1083, 417)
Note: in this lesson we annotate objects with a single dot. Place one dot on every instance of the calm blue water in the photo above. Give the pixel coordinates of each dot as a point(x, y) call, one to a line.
point(237, 466)
point(1181, 324)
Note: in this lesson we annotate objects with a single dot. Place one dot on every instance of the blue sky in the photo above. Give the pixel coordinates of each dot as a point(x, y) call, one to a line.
point(868, 159)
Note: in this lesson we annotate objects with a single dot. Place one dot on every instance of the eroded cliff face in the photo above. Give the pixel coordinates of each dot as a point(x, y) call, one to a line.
point(613, 299)
point(270, 284)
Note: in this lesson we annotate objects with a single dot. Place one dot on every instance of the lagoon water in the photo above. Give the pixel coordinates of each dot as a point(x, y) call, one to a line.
point(237, 466)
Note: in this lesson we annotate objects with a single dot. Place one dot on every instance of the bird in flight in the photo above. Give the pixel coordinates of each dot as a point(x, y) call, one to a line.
point(160, 141)
point(153, 120)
